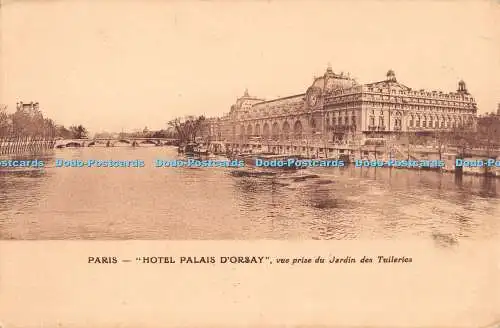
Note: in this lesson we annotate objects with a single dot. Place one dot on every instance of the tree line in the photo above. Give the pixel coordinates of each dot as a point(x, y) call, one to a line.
point(30, 122)
point(187, 128)
point(485, 136)
point(163, 133)
point(184, 129)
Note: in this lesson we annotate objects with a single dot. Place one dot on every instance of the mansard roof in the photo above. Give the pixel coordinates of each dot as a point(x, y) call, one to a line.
point(341, 81)
point(388, 84)
point(282, 98)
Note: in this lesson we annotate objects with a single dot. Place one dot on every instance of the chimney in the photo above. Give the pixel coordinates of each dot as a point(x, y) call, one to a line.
point(498, 110)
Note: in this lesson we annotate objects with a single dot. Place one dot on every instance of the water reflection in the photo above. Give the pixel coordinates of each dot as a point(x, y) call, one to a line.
point(182, 203)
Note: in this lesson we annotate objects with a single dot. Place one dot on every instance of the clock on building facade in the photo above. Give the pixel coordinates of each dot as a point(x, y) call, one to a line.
point(313, 97)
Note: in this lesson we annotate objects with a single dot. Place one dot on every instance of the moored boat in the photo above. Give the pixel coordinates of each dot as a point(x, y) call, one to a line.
point(189, 149)
point(201, 150)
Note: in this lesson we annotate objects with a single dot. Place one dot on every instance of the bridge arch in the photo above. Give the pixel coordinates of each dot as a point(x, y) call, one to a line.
point(74, 144)
point(121, 141)
point(150, 142)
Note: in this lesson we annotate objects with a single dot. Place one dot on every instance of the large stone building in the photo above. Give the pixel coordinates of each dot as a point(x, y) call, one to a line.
point(336, 111)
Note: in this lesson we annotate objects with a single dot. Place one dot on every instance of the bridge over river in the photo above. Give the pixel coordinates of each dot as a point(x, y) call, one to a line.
point(114, 142)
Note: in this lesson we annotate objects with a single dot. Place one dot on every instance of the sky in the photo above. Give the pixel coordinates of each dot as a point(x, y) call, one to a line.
point(125, 65)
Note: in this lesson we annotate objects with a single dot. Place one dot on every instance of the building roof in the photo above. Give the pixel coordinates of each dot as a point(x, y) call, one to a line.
point(282, 98)
point(388, 83)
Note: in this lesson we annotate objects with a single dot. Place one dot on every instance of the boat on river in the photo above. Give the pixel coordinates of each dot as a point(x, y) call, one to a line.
point(193, 149)
point(201, 150)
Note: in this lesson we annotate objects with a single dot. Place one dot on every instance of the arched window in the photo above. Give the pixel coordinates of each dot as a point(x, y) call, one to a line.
point(257, 130)
point(297, 130)
point(286, 130)
point(312, 123)
point(266, 131)
point(275, 131)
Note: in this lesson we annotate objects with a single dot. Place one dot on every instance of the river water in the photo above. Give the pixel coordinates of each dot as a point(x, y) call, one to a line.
point(210, 203)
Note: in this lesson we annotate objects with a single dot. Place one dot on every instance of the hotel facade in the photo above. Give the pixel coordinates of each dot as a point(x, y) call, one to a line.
point(337, 112)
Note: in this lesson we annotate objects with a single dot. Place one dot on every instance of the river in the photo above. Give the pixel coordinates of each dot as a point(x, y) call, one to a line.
point(210, 203)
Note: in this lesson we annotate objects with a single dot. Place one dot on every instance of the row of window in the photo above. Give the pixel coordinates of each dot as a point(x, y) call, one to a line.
point(381, 121)
point(341, 120)
point(421, 93)
point(417, 123)
point(418, 100)
point(350, 106)
point(463, 108)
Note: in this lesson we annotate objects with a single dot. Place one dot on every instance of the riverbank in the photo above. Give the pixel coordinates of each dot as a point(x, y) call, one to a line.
point(386, 152)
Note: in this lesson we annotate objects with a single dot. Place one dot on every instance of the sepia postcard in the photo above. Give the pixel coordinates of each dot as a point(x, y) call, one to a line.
point(249, 163)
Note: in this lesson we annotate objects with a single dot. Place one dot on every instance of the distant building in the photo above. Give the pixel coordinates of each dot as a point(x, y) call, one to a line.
point(211, 129)
point(28, 106)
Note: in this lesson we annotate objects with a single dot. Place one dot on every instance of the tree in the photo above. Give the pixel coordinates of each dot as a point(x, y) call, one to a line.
point(488, 132)
point(78, 132)
point(413, 140)
point(464, 139)
point(103, 135)
point(21, 123)
point(187, 128)
point(5, 122)
point(49, 128)
point(442, 139)
point(159, 134)
point(63, 132)
point(28, 121)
